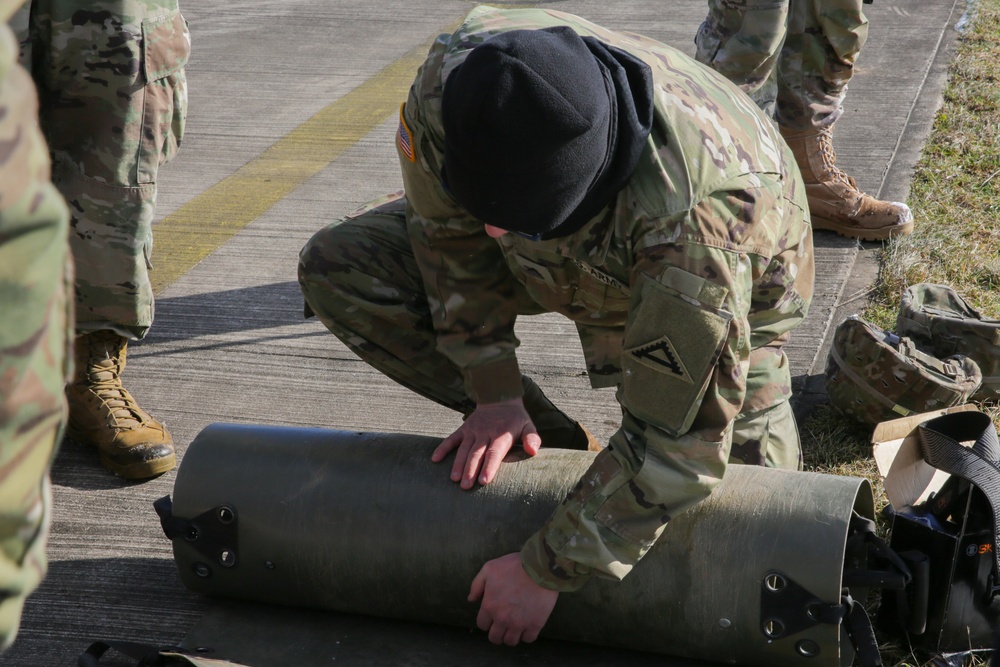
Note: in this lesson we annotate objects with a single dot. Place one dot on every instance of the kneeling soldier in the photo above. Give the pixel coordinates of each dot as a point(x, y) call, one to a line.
point(550, 164)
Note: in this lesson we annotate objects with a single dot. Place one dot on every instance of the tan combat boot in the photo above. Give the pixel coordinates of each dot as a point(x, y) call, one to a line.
point(554, 426)
point(835, 203)
point(103, 414)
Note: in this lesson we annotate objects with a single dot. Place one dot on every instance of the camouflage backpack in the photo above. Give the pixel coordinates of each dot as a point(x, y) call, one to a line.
point(941, 323)
point(874, 375)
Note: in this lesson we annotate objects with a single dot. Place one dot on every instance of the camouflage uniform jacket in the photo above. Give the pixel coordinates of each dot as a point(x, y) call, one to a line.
point(36, 324)
point(684, 290)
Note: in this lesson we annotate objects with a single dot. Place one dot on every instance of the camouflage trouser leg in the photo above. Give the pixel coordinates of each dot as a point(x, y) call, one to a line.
point(795, 57)
point(742, 41)
point(768, 438)
point(360, 278)
point(113, 100)
point(35, 332)
point(817, 61)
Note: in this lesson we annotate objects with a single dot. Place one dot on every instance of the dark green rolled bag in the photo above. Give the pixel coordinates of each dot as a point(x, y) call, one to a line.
point(365, 523)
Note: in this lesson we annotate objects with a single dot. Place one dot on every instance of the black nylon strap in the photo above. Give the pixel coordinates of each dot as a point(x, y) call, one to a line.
point(172, 526)
point(862, 634)
point(145, 655)
point(980, 464)
point(862, 541)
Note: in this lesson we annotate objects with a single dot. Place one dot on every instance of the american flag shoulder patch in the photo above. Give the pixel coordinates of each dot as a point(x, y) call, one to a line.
point(404, 138)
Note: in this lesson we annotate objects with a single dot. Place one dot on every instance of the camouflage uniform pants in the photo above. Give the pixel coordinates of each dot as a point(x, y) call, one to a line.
point(113, 101)
point(35, 332)
point(795, 57)
point(358, 275)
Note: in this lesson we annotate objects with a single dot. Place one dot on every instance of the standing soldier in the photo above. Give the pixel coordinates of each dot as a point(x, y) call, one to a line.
point(113, 99)
point(550, 164)
point(795, 57)
point(35, 333)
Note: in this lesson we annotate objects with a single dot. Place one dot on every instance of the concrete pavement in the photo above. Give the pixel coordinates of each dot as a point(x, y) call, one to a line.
point(291, 126)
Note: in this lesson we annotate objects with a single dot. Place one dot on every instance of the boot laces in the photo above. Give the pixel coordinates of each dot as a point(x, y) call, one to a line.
point(104, 368)
point(829, 157)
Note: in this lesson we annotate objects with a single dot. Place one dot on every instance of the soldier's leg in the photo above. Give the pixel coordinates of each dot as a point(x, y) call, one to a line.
point(743, 41)
point(816, 64)
point(767, 438)
point(113, 97)
point(35, 275)
point(359, 277)
point(765, 432)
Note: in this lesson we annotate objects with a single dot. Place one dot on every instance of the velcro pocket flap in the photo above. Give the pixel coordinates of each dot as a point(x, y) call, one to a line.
point(673, 342)
point(166, 45)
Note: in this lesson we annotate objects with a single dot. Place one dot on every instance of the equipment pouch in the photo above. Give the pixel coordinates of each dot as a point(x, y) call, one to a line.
point(874, 375)
point(942, 323)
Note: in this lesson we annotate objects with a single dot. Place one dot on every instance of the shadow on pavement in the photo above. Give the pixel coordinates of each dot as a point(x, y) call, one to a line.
point(83, 601)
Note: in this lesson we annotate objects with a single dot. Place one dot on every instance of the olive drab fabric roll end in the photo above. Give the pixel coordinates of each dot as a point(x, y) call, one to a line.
point(365, 523)
point(874, 375)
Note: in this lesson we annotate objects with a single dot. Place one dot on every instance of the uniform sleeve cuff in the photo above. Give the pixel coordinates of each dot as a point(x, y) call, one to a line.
point(494, 381)
point(548, 570)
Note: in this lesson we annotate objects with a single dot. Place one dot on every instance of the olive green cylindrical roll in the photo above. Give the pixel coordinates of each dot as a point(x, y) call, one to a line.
point(365, 523)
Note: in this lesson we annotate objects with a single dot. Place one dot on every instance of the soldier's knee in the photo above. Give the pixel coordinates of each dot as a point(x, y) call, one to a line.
point(324, 251)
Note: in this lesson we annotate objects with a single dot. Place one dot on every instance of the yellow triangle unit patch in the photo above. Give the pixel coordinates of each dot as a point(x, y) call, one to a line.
point(662, 356)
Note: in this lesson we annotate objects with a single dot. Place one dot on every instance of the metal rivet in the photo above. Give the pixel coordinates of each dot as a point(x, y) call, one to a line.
point(191, 534)
point(774, 582)
point(807, 648)
point(203, 649)
point(227, 558)
point(812, 611)
point(268, 565)
point(202, 570)
point(773, 628)
point(724, 623)
point(226, 515)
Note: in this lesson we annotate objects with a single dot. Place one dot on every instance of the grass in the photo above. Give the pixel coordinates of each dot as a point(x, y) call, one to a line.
point(955, 194)
point(955, 198)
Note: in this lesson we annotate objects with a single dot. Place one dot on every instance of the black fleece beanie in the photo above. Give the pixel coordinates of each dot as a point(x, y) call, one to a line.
point(543, 128)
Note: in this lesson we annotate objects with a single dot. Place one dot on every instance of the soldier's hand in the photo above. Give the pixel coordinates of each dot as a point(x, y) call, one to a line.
point(484, 439)
point(514, 608)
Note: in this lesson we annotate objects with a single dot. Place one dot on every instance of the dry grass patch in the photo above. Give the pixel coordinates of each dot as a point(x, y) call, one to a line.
point(955, 195)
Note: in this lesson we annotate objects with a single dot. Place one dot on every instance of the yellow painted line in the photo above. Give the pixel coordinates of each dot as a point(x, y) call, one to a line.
point(205, 223)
